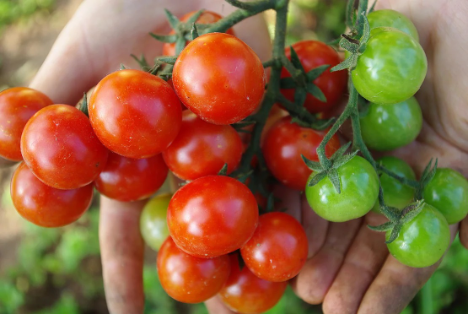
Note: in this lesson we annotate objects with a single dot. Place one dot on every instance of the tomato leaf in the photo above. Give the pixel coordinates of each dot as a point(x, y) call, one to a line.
point(344, 159)
point(335, 179)
point(295, 60)
point(223, 170)
point(165, 38)
point(317, 178)
point(168, 60)
point(316, 92)
point(141, 62)
point(194, 31)
point(395, 231)
point(350, 14)
point(316, 72)
point(173, 20)
point(340, 151)
point(193, 19)
point(312, 165)
point(383, 227)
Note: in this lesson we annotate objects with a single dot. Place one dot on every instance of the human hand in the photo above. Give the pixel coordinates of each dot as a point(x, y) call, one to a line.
point(100, 36)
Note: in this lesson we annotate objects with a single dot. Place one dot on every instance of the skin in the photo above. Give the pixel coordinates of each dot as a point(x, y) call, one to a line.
point(153, 224)
point(348, 270)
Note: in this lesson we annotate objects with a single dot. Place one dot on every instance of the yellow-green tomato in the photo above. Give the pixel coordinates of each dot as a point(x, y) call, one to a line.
point(153, 224)
point(396, 194)
point(394, 19)
point(359, 191)
point(448, 193)
point(422, 241)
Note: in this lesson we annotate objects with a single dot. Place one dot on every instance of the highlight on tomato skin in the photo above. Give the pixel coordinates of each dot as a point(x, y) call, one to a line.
point(190, 279)
point(17, 106)
point(245, 293)
point(60, 147)
point(46, 206)
point(202, 148)
point(127, 179)
point(212, 216)
point(207, 17)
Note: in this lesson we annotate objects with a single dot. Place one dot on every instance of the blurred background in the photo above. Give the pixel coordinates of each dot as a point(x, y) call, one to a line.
point(59, 270)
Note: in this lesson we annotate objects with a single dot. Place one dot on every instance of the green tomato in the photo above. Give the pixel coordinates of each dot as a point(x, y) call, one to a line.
point(422, 241)
point(396, 194)
point(387, 127)
point(394, 19)
point(448, 192)
point(359, 190)
point(153, 223)
point(392, 67)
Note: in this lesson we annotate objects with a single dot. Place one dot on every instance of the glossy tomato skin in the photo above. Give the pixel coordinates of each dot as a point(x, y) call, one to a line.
point(396, 194)
point(278, 248)
point(219, 78)
point(190, 279)
point(387, 127)
point(202, 148)
point(284, 144)
point(17, 106)
point(135, 114)
point(422, 241)
point(448, 193)
point(359, 191)
point(61, 149)
point(391, 69)
point(153, 221)
point(212, 216)
point(127, 179)
point(46, 206)
point(394, 19)
point(207, 17)
point(246, 293)
point(313, 54)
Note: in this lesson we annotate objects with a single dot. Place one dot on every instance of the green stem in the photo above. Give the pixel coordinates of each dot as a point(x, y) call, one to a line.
point(360, 18)
point(408, 182)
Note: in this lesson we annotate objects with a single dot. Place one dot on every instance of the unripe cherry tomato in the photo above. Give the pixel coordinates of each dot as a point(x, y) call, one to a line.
point(212, 216)
point(127, 179)
point(190, 279)
point(278, 248)
point(153, 221)
point(59, 146)
point(46, 206)
point(202, 148)
point(219, 78)
point(135, 114)
point(394, 19)
point(17, 106)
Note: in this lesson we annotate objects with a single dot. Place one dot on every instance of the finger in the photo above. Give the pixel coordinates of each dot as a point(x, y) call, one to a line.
point(395, 286)
point(287, 200)
point(315, 227)
point(464, 232)
point(361, 265)
point(122, 251)
point(318, 273)
point(216, 306)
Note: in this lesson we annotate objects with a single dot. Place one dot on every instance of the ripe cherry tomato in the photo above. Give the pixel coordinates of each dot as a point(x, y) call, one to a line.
point(246, 293)
point(396, 194)
point(284, 144)
point(423, 240)
point(313, 54)
point(212, 216)
point(359, 191)
point(448, 193)
point(278, 248)
point(153, 221)
point(190, 279)
point(202, 148)
point(387, 127)
point(17, 106)
point(219, 78)
point(207, 17)
point(135, 114)
point(46, 206)
point(61, 149)
point(127, 179)
point(394, 19)
point(391, 69)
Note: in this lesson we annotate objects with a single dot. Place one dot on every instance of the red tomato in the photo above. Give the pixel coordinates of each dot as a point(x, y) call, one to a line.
point(246, 293)
point(312, 54)
point(46, 206)
point(17, 106)
point(202, 148)
point(278, 249)
point(207, 17)
point(284, 144)
point(220, 78)
point(135, 114)
point(126, 179)
point(61, 149)
point(212, 216)
point(190, 279)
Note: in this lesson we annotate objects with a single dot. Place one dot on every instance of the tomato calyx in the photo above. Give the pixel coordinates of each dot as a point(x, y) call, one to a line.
point(338, 159)
point(426, 177)
point(83, 106)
